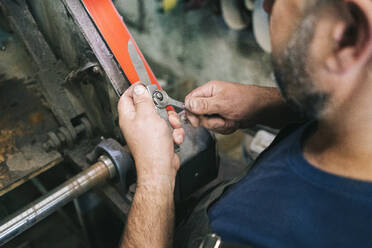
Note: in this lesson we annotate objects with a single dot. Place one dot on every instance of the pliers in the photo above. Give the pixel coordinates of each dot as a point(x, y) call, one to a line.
point(160, 97)
point(162, 101)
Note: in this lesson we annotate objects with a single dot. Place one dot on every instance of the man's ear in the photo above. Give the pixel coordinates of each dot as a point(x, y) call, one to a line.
point(353, 37)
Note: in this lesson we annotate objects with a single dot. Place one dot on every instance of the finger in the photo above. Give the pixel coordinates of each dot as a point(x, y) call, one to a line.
point(176, 162)
point(224, 131)
point(203, 106)
point(205, 90)
point(174, 119)
point(193, 119)
point(142, 100)
point(228, 128)
point(212, 123)
point(126, 108)
point(178, 136)
point(218, 124)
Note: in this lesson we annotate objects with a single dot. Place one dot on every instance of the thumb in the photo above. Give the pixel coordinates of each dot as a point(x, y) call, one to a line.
point(142, 100)
point(202, 105)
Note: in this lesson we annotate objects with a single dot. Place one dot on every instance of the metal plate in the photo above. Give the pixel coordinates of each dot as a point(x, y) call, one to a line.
point(23, 121)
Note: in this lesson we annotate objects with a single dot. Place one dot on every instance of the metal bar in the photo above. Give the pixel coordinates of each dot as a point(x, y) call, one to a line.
point(40, 187)
point(43, 207)
point(98, 45)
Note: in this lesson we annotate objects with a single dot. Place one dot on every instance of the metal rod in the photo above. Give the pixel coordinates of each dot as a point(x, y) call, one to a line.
point(46, 205)
point(61, 212)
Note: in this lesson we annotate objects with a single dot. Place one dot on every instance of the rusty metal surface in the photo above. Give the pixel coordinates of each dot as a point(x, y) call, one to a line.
point(29, 110)
point(24, 119)
point(51, 71)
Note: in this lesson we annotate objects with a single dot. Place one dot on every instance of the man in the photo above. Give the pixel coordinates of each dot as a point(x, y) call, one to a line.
point(313, 186)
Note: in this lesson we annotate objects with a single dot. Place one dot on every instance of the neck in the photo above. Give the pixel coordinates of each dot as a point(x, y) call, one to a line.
point(343, 145)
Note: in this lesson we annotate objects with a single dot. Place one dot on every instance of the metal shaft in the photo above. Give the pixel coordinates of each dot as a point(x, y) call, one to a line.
point(46, 205)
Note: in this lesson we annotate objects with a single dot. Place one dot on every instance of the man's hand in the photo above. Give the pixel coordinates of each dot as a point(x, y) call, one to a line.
point(224, 107)
point(150, 221)
point(221, 106)
point(148, 136)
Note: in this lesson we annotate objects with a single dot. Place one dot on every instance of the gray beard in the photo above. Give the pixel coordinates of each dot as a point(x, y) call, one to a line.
point(292, 76)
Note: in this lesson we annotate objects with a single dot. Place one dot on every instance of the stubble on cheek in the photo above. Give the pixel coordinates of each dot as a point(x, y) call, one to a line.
point(292, 73)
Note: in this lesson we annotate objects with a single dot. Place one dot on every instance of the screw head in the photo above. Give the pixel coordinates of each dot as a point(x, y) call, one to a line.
point(96, 69)
point(47, 146)
point(158, 95)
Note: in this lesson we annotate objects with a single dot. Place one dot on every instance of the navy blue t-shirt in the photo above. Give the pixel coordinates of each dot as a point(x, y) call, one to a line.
point(286, 202)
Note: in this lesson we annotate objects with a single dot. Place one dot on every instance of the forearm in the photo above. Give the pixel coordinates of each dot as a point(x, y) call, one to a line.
point(272, 109)
point(151, 218)
point(150, 221)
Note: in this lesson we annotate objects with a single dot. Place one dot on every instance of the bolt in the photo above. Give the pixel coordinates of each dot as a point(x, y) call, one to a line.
point(96, 69)
point(158, 95)
point(80, 128)
point(47, 146)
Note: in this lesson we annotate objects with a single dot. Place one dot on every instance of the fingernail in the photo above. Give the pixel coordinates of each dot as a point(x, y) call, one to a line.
point(179, 138)
point(193, 104)
point(139, 90)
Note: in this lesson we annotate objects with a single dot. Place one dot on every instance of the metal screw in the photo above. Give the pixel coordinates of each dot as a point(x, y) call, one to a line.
point(96, 69)
point(47, 146)
point(158, 95)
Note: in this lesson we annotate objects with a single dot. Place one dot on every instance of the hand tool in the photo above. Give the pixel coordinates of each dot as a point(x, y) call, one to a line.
point(162, 101)
point(160, 97)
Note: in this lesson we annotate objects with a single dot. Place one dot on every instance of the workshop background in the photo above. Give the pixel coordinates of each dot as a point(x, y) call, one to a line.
point(187, 43)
